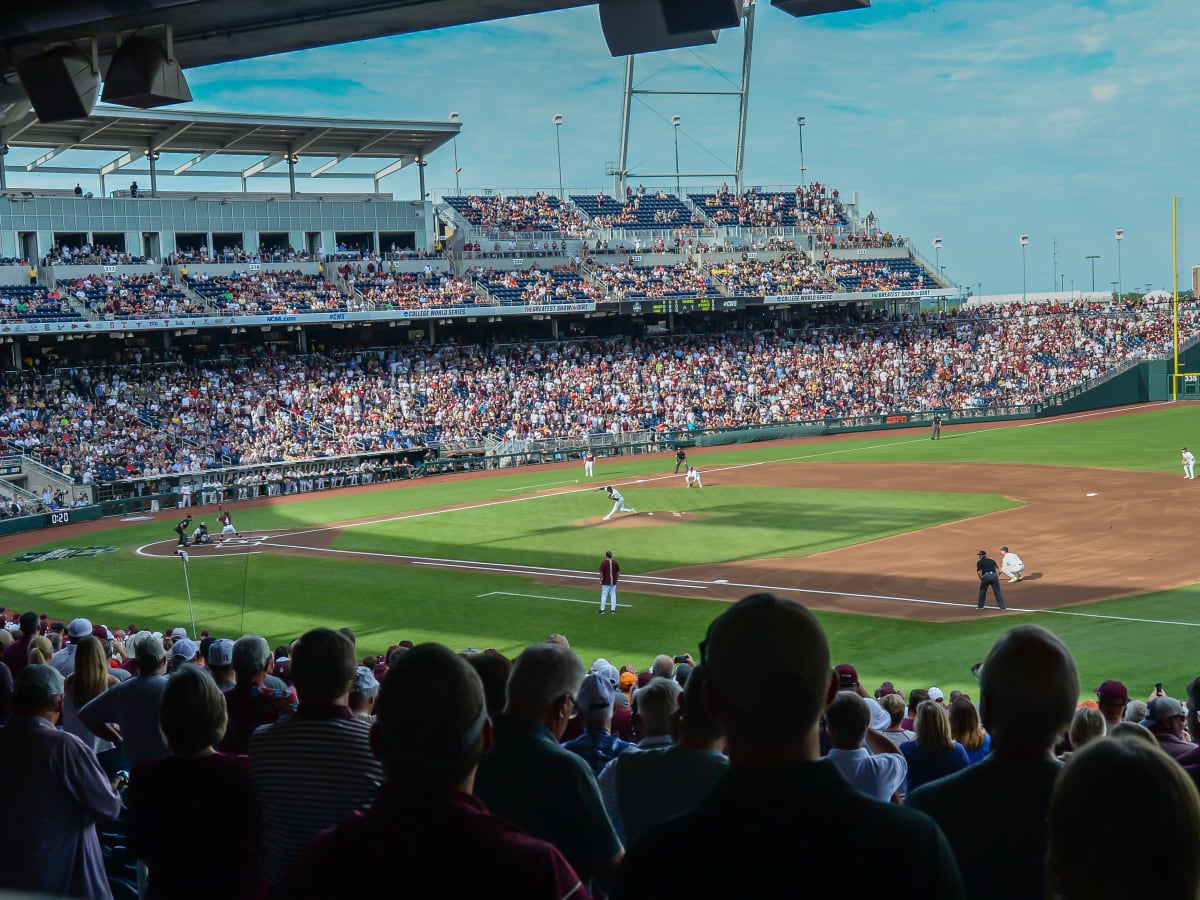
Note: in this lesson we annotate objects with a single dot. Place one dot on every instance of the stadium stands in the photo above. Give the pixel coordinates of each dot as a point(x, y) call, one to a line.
point(535, 287)
point(29, 303)
point(881, 275)
point(537, 213)
point(787, 274)
point(259, 293)
point(632, 282)
point(643, 211)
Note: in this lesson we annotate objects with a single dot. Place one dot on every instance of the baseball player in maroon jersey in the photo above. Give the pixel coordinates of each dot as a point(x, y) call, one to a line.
point(610, 571)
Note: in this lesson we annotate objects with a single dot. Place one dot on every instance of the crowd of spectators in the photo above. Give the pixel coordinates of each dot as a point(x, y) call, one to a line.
point(91, 255)
point(538, 212)
point(626, 281)
point(23, 303)
point(176, 416)
point(258, 293)
point(788, 274)
point(537, 287)
point(721, 776)
point(133, 296)
point(428, 289)
point(879, 275)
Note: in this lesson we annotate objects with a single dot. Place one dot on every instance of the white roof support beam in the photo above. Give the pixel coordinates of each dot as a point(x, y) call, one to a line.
point(326, 166)
point(265, 163)
point(389, 169)
point(49, 155)
point(308, 139)
point(189, 163)
point(109, 167)
point(164, 137)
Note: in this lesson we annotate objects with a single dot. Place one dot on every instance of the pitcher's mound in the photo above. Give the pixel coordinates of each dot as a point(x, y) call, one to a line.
point(640, 519)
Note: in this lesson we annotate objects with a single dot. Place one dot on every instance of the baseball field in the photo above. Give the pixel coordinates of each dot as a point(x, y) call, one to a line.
point(878, 532)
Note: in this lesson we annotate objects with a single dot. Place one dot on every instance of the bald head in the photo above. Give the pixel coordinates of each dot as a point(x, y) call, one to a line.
point(768, 665)
point(664, 666)
point(1028, 689)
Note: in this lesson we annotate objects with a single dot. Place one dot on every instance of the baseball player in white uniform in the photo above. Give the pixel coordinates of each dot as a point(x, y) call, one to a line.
point(692, 479)
point(1189, 463)
point(618, 503)
point(1011, 565)
point(589, 463)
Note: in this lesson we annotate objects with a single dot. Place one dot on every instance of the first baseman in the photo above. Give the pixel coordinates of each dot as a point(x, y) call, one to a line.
point(610, 571)
point(618, 503)
point(1011, 565)
point(693, 477)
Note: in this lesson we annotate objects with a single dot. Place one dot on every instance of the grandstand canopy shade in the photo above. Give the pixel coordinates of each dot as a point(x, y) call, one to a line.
point(215, 31)
point(118, 137)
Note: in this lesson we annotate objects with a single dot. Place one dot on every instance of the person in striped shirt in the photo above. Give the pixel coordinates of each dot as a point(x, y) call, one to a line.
point(315, 768)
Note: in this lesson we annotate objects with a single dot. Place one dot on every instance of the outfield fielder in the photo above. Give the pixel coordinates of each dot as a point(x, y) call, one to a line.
point(1189, 463)
point(589, 463)
point(1011, 565)
point(618, 503)
point(610, 571)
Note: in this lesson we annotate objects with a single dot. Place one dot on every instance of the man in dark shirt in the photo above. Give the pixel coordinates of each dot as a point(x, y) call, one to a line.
point(994, 813)
point(182, 530)
point(989, 574)
point(780, 810)
point(680, 459)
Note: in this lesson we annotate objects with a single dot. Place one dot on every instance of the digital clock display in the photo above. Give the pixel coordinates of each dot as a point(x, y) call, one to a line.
point(61, 517)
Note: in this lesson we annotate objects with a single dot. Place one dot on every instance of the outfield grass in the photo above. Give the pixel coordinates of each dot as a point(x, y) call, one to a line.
point(281, 596)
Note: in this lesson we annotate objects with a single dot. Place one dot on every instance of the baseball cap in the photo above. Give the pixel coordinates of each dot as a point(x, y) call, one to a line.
point(1160, 709)
point(79, 628)
point(1005, 549)
point(1112, 693)
point(220, 652)
point(185, 649)
point(628, 681)
point(365, 681)
point(100, 631)
point(880, 719)
point(177, 633)
point(608, 670)
point(935, 693)
point(37, 682)
point(886, 688)
point(597, 692)
point(847, 675)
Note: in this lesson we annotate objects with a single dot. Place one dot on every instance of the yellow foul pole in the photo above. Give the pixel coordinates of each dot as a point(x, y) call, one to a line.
point(1175, 292)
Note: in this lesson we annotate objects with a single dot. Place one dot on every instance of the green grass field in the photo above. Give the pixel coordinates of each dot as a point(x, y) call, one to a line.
point(502, 520)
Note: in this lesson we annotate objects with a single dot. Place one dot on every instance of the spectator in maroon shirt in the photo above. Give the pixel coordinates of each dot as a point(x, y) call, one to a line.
point(251, 703)
point(219, 830)
point(16, 657)
point(431, 731)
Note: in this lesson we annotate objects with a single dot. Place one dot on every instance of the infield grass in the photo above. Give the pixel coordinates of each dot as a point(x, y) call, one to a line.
point(280, 597)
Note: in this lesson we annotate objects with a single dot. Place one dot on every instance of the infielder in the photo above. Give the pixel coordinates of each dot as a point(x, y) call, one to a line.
point(1189, 463)
point(618, 503)
point(589, 463)
point(226, 521)
point(610, 571)
point(692, 479)
point(1011, 565)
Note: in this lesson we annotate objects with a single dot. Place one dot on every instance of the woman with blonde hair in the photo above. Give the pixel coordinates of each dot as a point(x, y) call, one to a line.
point(1158, 825)
point(89, 680)
point(1086, 726)
point(965, 728)
point(40, 651)
point(934, 754)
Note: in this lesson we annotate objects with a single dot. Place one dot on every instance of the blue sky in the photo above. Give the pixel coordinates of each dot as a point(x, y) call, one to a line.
point(972, 121)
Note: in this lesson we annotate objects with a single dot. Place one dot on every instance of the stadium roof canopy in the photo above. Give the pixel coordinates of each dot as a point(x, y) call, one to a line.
point(120, 137)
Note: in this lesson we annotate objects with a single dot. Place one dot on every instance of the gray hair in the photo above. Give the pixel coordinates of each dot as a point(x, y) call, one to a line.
point(250, 655)
point(1135, 711)
point(657, 702)
point(1087, 725)
point(664, 666)
point(542, 674)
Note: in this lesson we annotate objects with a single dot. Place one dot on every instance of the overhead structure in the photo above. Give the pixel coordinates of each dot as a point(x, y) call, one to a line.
point(128, 139)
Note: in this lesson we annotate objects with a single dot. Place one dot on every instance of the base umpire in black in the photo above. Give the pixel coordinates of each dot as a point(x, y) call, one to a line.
point(989, 574)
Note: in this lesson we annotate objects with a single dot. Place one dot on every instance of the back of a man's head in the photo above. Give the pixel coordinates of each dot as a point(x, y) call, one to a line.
point(847, 719)
point(323, 666)
point(1028, 689)
point(540, 676)
point(699, 727)
point(430, 718)
point(250, 655)
point(768, 667)
point(657, 703)
point(29, 624)
point(663, 666)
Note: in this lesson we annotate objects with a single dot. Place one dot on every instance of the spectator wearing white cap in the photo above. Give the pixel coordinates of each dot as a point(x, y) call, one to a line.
point(52, 848)
point(64, 659)
point(313, 769)
point(870, 761)
point(779, 810)
point(363, 694)
point(220, 663)
point(184, 651)
point(133, 706)
point(431, 732)
point(598, 745)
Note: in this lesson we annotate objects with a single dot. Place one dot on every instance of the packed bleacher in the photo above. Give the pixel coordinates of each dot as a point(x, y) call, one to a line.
point(91, 255)
point(626, 281)
point(789, 274)
point(428, 754)
point(133, 296)
point(880, 275)
point(540, 212)
point(812, 207)
point(168, 415)
point(417, 290)
point(259, 293)
point(535, 287)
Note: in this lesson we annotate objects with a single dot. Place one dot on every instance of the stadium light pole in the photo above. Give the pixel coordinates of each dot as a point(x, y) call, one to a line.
point(800, 123)
point(675, 120)
point(937, 253)
point(558, 120)
point(1093, 257)
point(1120, 236)
point(454, 117)
point(1024, 244)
